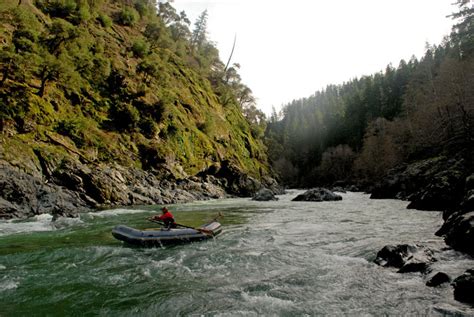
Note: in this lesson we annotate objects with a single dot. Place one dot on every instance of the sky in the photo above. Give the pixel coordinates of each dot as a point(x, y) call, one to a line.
point(290, 49)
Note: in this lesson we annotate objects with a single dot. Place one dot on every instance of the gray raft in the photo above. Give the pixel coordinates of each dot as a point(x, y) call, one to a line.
point(157, 237)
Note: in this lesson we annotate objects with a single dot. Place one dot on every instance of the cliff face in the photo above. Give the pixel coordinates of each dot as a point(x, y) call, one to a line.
point(103, 100)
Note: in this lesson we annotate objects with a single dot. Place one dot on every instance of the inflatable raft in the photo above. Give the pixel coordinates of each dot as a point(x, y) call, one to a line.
point(160, 237)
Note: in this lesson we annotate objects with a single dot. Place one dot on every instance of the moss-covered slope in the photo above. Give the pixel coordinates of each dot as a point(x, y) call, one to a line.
point(116, 82)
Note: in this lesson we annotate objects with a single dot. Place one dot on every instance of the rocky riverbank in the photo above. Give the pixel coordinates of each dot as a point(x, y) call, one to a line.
point(439, 183)
point(72, 187)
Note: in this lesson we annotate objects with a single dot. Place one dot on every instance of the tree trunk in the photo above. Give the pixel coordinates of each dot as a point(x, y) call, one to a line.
point(42, 87)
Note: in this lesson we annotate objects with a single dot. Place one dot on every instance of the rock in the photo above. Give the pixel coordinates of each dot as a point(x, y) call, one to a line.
point(264, 194)
point(391, 185)
point(23, 195)
point(412, 267)
point(318, 194)
point(338, 189)
point(8, 210)
point(458, 231)
point(468, 202)
point(72, 186)
point(430, 184)
point(272, 184)
point(394, 255)
point(438, 279)
point(406, 257)
point(353, 188)
point(464, 287)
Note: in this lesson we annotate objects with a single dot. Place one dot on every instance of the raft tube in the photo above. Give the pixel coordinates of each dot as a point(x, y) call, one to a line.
point(160, 237)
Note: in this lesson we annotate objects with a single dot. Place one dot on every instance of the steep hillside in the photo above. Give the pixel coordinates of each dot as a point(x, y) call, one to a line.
point(91, 86)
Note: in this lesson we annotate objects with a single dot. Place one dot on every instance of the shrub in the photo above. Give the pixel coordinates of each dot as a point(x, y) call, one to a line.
point(58, 8)
point(73, 129)
point(148, 128)
point(105, 20)
point(128, 16)
point(140, 48)
point(124, 117)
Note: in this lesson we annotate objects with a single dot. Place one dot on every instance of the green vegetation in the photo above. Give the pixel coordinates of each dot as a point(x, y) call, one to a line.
point(362, 128)
point(125, 82)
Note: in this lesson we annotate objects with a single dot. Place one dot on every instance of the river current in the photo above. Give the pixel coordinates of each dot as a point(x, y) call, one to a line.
point(279, 258)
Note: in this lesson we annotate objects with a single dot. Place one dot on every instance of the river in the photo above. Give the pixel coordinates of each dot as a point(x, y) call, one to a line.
point(279, 258)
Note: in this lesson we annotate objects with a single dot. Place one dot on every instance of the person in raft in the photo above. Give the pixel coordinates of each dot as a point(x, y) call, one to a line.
point(166, 217)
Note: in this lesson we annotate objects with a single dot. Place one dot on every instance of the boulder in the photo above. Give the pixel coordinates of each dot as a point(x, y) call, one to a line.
point(458, 231)
point(405, 257)
point(438, 279)
point(264, 194)
point(464, 287)
point(318, 194)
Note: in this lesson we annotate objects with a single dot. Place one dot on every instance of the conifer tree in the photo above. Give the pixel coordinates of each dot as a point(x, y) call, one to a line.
point(199, 35)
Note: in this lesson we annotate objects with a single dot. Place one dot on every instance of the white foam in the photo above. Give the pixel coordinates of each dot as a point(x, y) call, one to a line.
point(64, 222)
point(2, 267)
point(7, 285)
point(267, 300)
point(37, 223)
point(43, 222)
point(115, 212)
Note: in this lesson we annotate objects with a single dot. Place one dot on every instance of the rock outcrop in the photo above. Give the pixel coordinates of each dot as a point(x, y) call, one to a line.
point(458, 227)
point(458, 231)
point(464, 287)
point(264, 194)
point(438, 279)
point(318, 194)
point(431, 184)
point(407, 258)
point(73, 187)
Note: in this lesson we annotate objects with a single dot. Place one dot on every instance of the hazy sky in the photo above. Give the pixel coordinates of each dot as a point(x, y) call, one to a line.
point(290, 49)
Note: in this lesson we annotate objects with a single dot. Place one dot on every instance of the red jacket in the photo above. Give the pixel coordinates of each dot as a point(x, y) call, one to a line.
point(168, 220)
point(166, 217)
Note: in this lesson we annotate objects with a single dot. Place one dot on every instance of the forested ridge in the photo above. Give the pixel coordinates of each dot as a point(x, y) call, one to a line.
point(357, 131)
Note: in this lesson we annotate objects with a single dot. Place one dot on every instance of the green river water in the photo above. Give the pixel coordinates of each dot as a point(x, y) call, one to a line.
point(279, 258)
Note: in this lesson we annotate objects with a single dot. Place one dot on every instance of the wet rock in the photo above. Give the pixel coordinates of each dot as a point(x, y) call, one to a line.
point(405, 257)
point(464, 287)
point(318, 194)
point(458, 231)
point(264, 194)
point(438, 279)
point(414, 266)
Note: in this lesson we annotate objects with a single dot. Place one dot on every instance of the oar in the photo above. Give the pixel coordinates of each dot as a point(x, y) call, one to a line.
point(219, 215)
point(180, 225)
